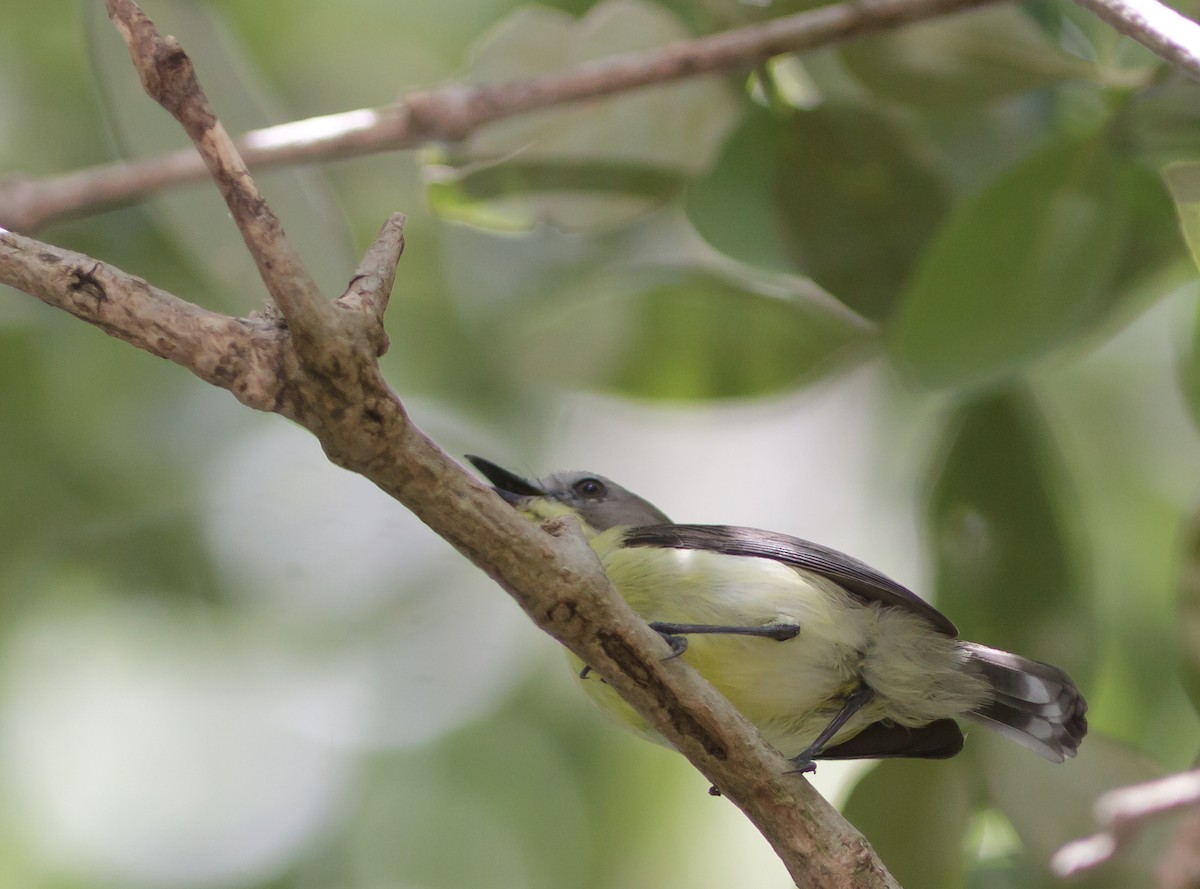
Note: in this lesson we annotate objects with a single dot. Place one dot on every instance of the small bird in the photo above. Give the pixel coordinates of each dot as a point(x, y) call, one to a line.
point(829, 658)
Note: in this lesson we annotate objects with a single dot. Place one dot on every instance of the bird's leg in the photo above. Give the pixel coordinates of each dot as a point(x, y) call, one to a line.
point(854, 702)
point(676, 635)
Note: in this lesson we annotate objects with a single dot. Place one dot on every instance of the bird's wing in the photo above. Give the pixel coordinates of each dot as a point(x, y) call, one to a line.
point(941, 739)
point(858, 579)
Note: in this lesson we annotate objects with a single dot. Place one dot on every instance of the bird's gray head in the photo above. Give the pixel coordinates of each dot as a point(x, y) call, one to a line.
point(598, 502)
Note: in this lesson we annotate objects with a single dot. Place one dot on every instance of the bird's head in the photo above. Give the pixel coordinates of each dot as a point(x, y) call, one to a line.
point(596, 501)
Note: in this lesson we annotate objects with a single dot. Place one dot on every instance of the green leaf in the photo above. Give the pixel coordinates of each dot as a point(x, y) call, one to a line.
point(850, 180)
point(1161, 126)
point(1119, 61)
point(1183, 180)
point(733, 206)
point(962, 61)
point(1189, 373)
point(551, 166)
point(916, 815)
point(1019, 269)
point(518, 194)
point(682, 334)
point(1189, 612)
point(1004, 573)
point(816, 188)
point(1154, 243)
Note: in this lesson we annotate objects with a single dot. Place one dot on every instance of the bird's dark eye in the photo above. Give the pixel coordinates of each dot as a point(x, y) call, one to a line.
point(589, 487)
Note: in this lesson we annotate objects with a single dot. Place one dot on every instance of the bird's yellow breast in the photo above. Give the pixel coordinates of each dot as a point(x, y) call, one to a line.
point(790, 689)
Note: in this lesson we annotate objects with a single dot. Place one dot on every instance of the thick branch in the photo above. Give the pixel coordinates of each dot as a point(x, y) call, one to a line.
point(1159, 28)
point(343, 399)
point(455, 112)
point(556, 579)
point(242, 355)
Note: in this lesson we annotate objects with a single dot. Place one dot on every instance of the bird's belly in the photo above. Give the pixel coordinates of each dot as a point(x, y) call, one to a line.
point(791, 689)
point(782, 687)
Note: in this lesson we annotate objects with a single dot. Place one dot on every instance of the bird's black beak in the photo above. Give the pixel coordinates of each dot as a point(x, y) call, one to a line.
point(511, 487)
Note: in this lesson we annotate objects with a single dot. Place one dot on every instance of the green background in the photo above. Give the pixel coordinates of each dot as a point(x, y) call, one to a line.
point(925, 298)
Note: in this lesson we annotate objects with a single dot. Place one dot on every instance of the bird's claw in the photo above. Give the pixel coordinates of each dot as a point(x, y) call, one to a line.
point(679, 644)
point(804, 765)
point(784, 632)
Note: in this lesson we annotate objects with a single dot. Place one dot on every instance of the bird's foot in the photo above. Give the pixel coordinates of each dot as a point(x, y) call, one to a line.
point(679, 644)
point(804, 764)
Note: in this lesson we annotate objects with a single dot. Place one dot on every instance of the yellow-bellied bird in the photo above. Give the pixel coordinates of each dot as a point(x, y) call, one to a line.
point(827, 657)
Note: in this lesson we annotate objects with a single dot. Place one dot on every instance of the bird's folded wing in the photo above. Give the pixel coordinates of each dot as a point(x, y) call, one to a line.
point(857, 578)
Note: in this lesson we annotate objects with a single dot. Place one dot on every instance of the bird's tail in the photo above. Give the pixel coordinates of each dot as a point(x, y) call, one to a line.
point(1035, 704)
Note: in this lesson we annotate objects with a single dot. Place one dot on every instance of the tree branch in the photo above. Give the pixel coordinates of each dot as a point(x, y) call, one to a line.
point(1179, 867)
point(1122, 813)
point(362, 426)
point(167, 74)
point(454, 112)
point(1160, 29)
point(239, 354)
point(554, 577)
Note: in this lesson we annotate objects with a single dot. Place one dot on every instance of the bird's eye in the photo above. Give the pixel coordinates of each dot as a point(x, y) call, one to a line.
point(589, 487)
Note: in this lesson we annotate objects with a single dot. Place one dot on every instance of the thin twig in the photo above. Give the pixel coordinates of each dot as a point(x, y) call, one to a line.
point(1160, 29)
point(1121, 814)
point(455, 112)
point(169, 78)
point(1179, 866)
point(369, 290)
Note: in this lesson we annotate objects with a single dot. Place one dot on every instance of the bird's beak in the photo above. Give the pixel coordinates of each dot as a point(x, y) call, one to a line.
point(508, 485)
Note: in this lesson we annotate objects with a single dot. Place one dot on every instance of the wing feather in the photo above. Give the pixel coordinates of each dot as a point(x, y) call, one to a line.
point(857, 578)
point(941, 739)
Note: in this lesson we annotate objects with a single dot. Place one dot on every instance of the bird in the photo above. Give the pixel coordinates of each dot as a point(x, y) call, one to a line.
point(827, 657)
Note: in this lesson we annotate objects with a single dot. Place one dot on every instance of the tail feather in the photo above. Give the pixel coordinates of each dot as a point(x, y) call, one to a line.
point(1035, 704)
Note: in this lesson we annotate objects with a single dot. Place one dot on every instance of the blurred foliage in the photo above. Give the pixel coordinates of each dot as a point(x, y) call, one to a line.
point(834, 162)
point(962, 62)
point(925, 296)
point(1184, 182)
point(1019, 268)
point(1189, 376)
point(591, 167)
point(1189, 612)
point(922, 844)
point(686, 334)
point(1001, 553)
